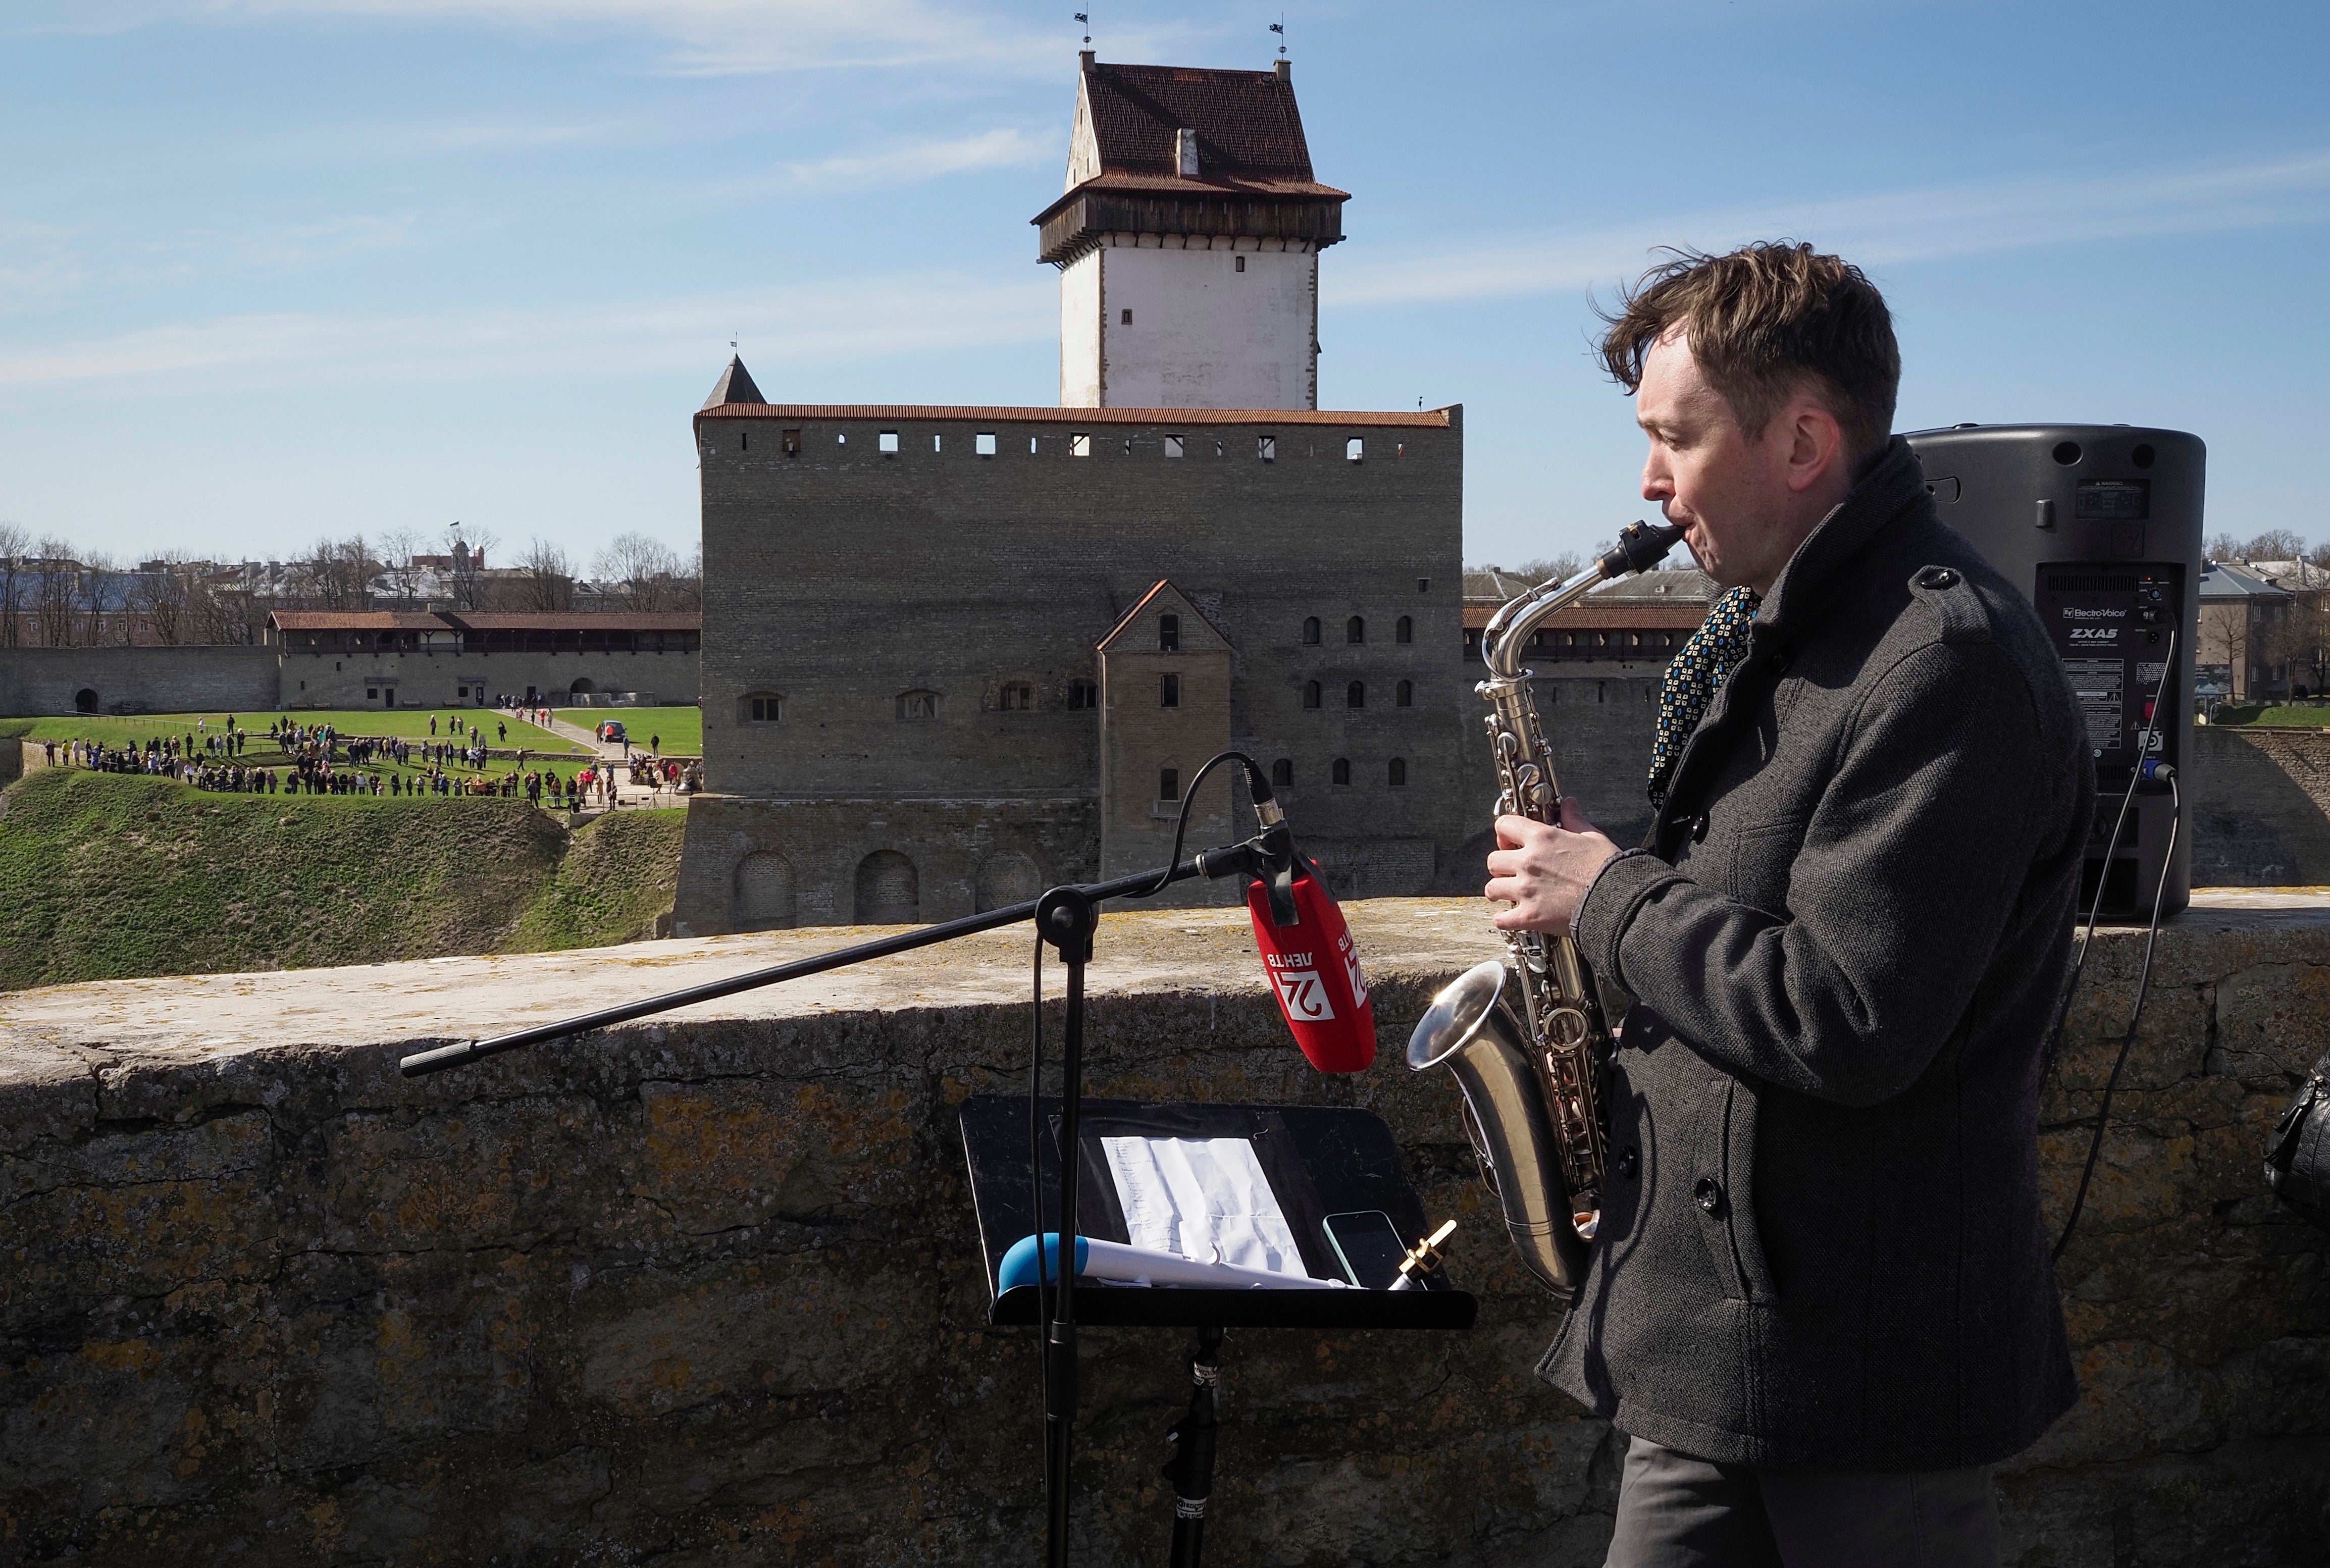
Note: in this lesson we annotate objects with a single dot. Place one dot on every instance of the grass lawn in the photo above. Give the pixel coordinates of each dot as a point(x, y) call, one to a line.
point(2313, 716)
point(406, 724)
point(682, 728)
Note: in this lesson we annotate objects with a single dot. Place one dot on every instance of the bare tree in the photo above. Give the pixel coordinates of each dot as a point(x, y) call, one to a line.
point(468, 547)
point(547, 583)
point(14, 542)
point(163, 595)
point(56, 593)
point(101, 594)
point(645, 571)
point(2274, 544)
point(2223, 546)
point(1549, 568)
point(2225, 640)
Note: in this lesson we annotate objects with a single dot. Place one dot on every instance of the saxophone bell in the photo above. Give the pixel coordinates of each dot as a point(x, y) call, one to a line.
point(1474, 1030)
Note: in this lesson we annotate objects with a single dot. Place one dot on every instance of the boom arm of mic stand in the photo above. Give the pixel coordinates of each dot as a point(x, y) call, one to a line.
point(1213, 863)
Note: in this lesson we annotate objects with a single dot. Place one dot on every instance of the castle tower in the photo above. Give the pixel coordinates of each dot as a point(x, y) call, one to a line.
point(1188, 241)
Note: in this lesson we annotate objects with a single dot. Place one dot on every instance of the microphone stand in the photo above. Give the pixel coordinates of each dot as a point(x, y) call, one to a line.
point(1065, 918)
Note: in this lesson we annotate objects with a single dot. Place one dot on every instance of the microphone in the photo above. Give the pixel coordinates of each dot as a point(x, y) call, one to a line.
point(1306, 948)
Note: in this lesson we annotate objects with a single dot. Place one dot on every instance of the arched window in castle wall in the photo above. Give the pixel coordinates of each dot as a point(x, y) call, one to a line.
point(1310, 693)
point(1355, 629)
point(1281, 772)
point(888, 891)
point(1398, 771)
point(1404, 629)
point(1342, 774)
point(1403, 695)
point(1311, 631)
point(1355, 696)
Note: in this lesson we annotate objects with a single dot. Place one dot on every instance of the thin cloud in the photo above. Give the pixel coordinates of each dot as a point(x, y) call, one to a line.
point(1004, 148)
point(834, 322)
point(1891, 228)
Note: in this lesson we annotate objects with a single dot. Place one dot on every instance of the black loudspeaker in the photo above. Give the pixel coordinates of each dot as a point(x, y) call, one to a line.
point(2100, 524)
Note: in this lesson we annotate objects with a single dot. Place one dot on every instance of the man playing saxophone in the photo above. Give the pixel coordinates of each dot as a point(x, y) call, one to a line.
point(1821, 1303)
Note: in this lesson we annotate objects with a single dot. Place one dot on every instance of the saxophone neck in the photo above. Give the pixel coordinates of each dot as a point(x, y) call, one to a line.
point(1640, 547)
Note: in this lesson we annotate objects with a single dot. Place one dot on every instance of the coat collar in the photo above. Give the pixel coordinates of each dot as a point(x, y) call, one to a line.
point(1893, 482)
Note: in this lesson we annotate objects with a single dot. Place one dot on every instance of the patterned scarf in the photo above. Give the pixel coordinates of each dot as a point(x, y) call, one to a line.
point(1700, 667)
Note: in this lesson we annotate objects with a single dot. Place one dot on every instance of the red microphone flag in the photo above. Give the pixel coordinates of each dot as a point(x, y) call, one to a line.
point(1315, 970)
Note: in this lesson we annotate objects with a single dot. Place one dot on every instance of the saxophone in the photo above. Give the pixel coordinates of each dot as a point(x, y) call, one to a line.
point(1526, 1038)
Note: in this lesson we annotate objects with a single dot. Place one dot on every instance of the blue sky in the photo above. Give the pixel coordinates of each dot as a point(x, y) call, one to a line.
point(271, 269)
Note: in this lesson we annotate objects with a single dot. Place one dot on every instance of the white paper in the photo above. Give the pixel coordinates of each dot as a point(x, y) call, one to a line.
point(1204, 1199)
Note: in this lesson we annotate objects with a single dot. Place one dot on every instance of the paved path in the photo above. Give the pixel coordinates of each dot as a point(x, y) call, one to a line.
point(629, 793)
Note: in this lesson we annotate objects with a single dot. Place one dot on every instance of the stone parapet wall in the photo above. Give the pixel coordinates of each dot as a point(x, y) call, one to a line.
point(137, 680)
point(707, 1289)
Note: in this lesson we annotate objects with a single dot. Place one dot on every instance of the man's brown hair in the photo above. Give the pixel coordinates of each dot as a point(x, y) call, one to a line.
point(1763, 323)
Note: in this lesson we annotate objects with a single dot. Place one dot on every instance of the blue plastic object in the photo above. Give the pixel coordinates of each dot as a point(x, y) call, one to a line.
point(1018, 1266)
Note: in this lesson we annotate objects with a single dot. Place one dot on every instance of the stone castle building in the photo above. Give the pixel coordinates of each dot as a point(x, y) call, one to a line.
point(955, 654)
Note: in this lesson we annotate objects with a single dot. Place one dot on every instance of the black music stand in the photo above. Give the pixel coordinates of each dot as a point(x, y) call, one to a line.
point(1320, 1160)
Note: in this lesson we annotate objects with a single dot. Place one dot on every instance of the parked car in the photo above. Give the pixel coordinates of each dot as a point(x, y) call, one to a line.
point(612, 730)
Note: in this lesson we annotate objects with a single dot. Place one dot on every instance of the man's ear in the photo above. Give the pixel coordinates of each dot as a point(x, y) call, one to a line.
point(1816, 444)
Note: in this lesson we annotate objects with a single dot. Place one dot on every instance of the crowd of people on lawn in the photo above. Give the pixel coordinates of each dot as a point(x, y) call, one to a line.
point(318, 759)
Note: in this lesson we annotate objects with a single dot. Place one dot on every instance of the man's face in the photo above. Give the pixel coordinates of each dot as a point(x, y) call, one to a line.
point(1731, 495)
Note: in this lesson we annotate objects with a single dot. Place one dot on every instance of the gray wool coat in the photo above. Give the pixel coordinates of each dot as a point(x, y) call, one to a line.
point(1821, 1243)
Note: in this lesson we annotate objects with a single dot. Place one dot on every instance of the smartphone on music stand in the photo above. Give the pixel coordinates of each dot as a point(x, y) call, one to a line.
point(1367, 1245)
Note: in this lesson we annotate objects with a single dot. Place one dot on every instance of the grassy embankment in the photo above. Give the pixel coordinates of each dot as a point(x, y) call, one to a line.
point(681, 729)
point(541, 746)
point(105, 876)
point(2312, 716)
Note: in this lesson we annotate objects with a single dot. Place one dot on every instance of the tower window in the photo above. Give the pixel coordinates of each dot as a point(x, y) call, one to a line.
point(934, 443)
point(1355, 696)
point(1080, 444)
point(1403, 695)
point(1016, 697)
point(1342, 774)
point(1172, 446)
point(983, 443)
point(1240, 265)
point(1168, 691)
point(1310, 693)
point(1424, 585)
point(1281, 772)
point(1220, 449)
point(1404, 629)
point(1266, 447)
point(1398, 772)
point(1355, 629)
point(791, 443)
point(743, 440)
point(888, 441)
point(1311, 631)
point(1084, 694)
point(1168, 634)
point(1354, 450)
point(763, 710)
point(1126, 319)
point(1169, 783)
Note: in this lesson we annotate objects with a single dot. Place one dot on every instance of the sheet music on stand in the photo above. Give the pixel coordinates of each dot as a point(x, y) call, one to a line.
point(1205, 1198)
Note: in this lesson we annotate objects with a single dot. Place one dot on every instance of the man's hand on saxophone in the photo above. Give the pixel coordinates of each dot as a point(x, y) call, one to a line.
point(1543, 871)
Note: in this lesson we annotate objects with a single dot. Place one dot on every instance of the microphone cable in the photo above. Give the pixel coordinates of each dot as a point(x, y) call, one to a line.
point(2094, 909)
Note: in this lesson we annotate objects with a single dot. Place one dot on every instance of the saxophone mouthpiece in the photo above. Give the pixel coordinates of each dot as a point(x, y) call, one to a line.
point(1640, 547)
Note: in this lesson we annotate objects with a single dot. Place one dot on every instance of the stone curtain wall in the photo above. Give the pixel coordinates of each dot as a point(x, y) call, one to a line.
point(707, 1290)
point(137, 680)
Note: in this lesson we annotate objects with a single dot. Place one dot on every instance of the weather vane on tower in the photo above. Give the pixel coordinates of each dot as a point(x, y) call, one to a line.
point(1086, 17)
point(1279, 27)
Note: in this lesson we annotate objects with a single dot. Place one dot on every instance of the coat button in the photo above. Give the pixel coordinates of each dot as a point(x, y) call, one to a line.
point(1630, 1160)
point(1937, 577)
point(1698, 828)
point(1708, 1194)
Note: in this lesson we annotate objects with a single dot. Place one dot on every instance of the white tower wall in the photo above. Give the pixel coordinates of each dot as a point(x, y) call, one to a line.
point(1224, 325)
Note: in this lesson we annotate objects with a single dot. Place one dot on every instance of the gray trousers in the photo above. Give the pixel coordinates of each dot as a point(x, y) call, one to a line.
point(1675, 1511)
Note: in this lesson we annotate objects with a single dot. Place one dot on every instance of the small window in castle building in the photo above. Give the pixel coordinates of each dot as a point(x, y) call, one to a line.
point(1281, 772)
point(1168, 691)
point(1403, 695)
point(1221, 448)
point(1398, 771)
point(1241, 265)
point(888, 441)
point(1355, 696)
point(1311, 631)
point(1168, 634)
point(1424, 585)
point(1354, 450)
point(918, 705)
point(1128, 446)
point(372, 694)
point(1127, 319)
point(1084, 694)
point(1173, 445)
point(1080, 444)
point(1403, 630)
point(983, 443)
point(743, 440)
point(1342, 772)
point(1017, 697)
point(1355, 629)
point(763, 710)
point(1169, 783)
point(841, 437)
point(1400, 450)
point(1031, 446)
point(1266, 447)
point(1310, 693)
point(934, 443)
point(790, 443)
